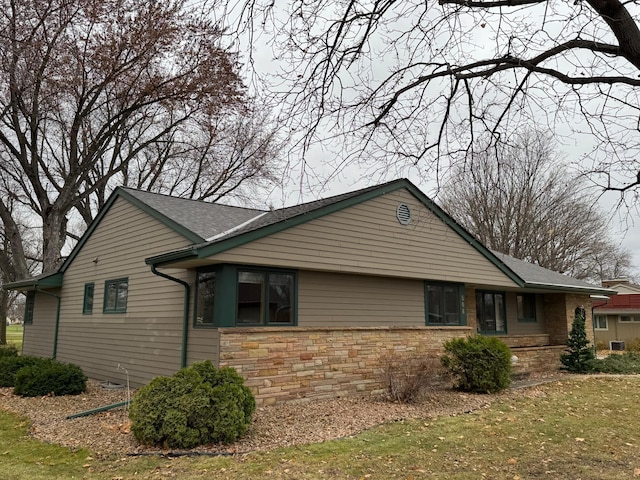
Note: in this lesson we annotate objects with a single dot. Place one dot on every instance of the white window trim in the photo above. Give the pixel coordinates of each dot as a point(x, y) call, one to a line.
point(606, 321)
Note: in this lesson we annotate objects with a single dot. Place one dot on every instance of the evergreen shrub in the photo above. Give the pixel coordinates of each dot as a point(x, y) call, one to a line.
point(8, 351)
point(10, 366)
point(478, 364)
point(198, 405)
point(627, 363)
point(50, 377)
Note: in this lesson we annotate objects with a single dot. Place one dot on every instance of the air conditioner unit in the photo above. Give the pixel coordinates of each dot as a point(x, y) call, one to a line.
point(616, 345)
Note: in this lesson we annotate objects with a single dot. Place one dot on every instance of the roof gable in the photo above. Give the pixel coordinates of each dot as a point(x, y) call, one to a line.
point(193, 219)
point(197, 219)
point(625, 288)
point(279, 220)
point(213, 228)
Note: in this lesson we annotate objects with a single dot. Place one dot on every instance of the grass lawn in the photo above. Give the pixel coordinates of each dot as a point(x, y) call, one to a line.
point(579, 429)
point(14, 336)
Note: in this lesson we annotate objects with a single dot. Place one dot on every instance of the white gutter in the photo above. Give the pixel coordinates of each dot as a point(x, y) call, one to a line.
point(571, 287)
point(236, 228)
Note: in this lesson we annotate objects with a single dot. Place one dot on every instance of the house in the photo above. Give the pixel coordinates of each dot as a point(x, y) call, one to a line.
point(616, 320)
point(304, 301)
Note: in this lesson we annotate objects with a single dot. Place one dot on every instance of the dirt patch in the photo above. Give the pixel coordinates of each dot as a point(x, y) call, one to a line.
point(108, 433)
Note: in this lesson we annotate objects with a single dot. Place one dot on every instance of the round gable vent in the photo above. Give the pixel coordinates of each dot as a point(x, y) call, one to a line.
point(403, 214)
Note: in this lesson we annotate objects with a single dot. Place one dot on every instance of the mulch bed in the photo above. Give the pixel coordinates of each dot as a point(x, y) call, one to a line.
point(108, 434)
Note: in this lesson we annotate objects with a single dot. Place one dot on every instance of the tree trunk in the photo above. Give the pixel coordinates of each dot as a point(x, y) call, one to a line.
point(4, 307)
point(54, 233)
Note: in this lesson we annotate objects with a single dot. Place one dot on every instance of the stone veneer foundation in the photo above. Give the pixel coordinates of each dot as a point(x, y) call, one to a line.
point(302, 364)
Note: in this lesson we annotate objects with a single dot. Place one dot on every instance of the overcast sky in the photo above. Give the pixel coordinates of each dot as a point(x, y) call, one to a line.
point(322, 180)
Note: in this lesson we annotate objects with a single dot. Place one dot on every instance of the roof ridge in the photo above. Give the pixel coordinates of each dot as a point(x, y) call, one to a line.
point(175, 197)
point(349, 193)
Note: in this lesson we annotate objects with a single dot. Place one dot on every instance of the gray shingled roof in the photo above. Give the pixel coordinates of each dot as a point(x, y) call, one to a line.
point(537, 275)
point(287, 213)
point(205, 219)
point(216, 223)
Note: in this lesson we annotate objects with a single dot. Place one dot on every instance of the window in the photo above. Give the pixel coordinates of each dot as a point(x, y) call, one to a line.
point(28, 308)
point(116, 293)
point(629, 318)
point(526, 307)
point(445, 304)
point(265, 298)
point(600, 322)
point(206, 286)
point(490, 312)
point(87, 304)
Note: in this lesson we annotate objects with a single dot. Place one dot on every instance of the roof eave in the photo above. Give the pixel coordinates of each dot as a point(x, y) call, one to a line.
point(570, 288)
point(171, 257)
point(50, 281)
point(617, 311)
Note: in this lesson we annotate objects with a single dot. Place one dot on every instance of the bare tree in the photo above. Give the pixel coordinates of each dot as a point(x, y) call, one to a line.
point(18, 250)
point(400, 84)
point(521, 200)
point(95, 93)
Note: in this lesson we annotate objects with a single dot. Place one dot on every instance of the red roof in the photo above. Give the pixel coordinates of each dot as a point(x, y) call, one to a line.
point(619, 302)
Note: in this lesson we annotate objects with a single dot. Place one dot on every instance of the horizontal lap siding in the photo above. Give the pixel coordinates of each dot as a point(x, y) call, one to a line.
point(624, 331)
point(514, 327)
point(38, 336)
point(331, 299)
point(203, 345)
point(146, 340)
point(368, 239)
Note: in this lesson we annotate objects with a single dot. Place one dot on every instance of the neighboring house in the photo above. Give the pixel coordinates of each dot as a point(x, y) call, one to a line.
point(304, 301)
point(617, 320)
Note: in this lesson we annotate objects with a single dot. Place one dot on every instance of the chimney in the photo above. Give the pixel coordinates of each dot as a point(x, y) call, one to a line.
point(615, 281)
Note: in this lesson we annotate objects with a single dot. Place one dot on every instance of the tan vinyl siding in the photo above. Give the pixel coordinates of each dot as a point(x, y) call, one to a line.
point(146, 340)
point(332, 299)
point(621, 331)
point(368, 239)
point(204, 344)
point(514, 327)
point(38, 337)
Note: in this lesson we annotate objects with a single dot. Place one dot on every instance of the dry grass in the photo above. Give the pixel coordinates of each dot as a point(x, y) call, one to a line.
point(576, 427)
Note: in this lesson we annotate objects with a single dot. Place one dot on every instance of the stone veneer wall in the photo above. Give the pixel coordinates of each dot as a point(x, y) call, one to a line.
point(537, 360)
point(285, 364)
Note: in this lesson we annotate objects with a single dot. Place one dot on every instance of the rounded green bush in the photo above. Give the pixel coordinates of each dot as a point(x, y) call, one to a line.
point(8, 351)
point(10, 366)
point(198, 405)
point(479, 364)
point(50, 377)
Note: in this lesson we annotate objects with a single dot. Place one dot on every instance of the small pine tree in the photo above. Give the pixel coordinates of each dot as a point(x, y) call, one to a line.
point(579, 357)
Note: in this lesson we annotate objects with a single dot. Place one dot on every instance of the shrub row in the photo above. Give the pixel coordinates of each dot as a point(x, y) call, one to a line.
point(627, 363)
point(34, 376)
point(8, 351)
